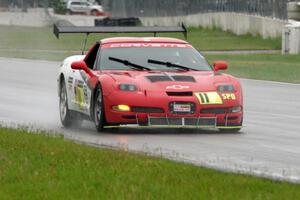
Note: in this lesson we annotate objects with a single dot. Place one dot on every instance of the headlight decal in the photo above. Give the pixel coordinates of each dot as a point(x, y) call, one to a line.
point(206, 98)
point(128, 87)
point(226, 88)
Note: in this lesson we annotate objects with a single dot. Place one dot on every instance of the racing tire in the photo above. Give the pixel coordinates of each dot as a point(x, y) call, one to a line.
point(94, 13)
point(98, 110)
point(64, 112)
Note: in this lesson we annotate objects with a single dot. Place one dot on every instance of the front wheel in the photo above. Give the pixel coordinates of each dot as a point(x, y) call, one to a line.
point(99, 115)
point(64, 112)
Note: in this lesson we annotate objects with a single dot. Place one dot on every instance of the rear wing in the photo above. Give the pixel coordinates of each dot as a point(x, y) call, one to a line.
point(57, 30)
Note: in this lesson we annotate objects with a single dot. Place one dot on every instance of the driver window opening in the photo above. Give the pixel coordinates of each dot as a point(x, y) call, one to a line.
point(91, 57)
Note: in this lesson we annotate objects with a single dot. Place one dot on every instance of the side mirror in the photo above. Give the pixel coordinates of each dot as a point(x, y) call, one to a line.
point(220, 65)
point(80, 65)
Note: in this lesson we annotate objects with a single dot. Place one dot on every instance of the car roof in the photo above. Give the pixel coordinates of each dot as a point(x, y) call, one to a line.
point(142, 40)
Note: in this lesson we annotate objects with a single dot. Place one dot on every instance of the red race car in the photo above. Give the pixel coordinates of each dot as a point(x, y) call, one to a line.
point(153, 81)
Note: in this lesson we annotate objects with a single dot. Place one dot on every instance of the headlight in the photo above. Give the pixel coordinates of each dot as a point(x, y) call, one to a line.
point(236, 109)
point(127, 87)
point(121, 108)
point(225, 88)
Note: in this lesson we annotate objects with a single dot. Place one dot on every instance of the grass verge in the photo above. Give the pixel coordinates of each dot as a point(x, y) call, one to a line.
point(36, 166)
point(40, 43)
point(20, 41)
point(283, 68)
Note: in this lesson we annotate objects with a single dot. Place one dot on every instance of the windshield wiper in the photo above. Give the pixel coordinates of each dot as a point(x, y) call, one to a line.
point(130, 64)
point(169, 64)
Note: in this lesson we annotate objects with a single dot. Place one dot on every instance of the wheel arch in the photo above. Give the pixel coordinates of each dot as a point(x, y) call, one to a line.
point(94, 10)
point(105, 83)
point(98, 84)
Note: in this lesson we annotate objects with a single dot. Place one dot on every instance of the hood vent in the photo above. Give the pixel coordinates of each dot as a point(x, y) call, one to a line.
point(159, 78)
point(171, 78)
point(184, 78)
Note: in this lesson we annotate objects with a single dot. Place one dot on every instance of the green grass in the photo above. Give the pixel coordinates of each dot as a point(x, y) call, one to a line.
point(20, 41)
point(40, 43)
point(37, 166)
point(267, 67)
point(216, 39)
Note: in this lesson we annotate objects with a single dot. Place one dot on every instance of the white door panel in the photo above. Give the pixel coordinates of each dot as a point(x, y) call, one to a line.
point(80, 93)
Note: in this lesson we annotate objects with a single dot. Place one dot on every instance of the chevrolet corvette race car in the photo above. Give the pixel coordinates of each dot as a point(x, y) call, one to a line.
point(153, 81)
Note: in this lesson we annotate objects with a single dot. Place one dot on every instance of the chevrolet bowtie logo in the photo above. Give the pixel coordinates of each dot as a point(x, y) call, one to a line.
point(177, 87)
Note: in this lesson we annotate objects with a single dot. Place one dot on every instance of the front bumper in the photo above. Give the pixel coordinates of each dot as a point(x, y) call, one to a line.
point(157, 112)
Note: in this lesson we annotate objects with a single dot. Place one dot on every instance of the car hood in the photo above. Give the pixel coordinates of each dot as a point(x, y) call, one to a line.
point(191, 81)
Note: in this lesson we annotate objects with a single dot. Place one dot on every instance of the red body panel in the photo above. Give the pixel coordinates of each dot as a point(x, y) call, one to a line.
point(154, 94)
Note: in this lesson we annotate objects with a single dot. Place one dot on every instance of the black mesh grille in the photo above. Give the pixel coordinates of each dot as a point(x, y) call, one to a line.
point(214, 110)
point(159, 78)
point(158, 121)
point(184, 78)
point(180, 93)
point(147, 110)
point(191, 121)
point(177, 121)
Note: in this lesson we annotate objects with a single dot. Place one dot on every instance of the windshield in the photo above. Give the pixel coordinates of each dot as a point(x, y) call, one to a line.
point(187, 57)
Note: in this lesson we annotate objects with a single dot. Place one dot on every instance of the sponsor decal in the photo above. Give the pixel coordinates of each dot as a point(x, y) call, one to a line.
point(80, 92)
point(228, 96)
point(149, 45)
point(70, 82)
point(207, 98)
point(178, 87)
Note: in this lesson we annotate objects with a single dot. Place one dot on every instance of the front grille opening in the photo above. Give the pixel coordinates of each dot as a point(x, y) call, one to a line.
point(180, 94)
point(129, 116)
point(231, 118)
point(214, 110)
point(147, 110)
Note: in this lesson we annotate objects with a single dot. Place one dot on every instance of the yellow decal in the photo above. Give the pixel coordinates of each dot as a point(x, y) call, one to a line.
point(79, 98)
point(228, 96)
point(209, 98)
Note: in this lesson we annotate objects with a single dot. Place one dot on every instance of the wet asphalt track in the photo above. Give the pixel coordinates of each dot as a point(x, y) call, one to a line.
point(269, 145)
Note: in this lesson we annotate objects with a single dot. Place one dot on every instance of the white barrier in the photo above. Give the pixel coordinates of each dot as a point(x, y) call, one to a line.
point(34, 18)
point(234, 22)
point(291, 38)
